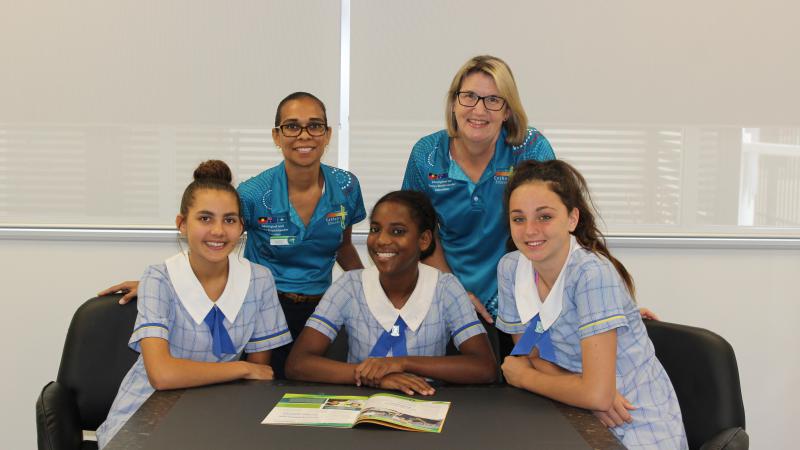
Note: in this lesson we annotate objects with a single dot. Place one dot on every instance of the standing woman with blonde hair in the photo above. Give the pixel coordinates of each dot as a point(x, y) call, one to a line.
point(464, 170)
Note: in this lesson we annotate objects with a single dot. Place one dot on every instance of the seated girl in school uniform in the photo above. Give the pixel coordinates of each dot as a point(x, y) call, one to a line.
point(198, 311)
point(568, 305)
point(399, 314)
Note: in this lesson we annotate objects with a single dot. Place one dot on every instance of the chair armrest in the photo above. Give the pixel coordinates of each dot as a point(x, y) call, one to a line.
point(729, 439)
point(58, 422)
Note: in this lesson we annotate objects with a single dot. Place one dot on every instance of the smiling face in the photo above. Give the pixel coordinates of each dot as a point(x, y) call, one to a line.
point(212, 227)
point(304, 150)
point(541, 225)
point(478, 124)
point(394, 241)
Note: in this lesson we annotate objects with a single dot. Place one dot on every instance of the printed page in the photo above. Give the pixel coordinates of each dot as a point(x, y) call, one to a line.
point(316, 410)
point(405, 413)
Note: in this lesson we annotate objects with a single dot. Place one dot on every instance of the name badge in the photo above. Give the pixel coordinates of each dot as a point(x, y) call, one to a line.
point(281, 240)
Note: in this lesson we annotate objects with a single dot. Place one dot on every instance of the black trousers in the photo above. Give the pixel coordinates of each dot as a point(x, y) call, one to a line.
point(296, 316)
point(501, 344)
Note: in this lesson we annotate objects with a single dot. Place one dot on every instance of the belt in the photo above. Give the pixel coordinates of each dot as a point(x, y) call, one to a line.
point(300, 298)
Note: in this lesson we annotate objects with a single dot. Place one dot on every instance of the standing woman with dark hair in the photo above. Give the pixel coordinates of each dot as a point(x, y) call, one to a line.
point(298, 215)
point(464, 170)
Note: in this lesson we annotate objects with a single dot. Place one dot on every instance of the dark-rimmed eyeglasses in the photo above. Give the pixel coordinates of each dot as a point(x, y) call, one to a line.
point(471, 99)
point(315, 129)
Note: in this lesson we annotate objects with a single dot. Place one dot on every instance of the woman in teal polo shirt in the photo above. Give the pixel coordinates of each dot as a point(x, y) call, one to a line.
point(298, 215)
point(464, 170)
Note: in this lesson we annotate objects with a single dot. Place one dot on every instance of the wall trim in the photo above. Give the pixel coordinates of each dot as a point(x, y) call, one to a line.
point(360, 237)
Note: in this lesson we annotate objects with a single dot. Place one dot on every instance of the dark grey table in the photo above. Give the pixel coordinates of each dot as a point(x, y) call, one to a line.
point(228, 416)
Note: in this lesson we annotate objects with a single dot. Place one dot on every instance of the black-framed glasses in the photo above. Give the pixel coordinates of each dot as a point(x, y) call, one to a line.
point(471, 99)
point(315, 129)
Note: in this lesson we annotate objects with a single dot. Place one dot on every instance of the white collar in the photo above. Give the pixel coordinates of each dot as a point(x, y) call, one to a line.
point(415, 309)
point(193, 296)
point(527, 296)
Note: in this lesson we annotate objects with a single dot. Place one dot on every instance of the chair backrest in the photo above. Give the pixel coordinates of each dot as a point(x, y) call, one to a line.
point(703, 370)
point(96, 356)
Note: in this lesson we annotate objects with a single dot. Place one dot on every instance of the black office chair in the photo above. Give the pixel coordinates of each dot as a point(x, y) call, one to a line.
point(703, 370)
point(95, 359)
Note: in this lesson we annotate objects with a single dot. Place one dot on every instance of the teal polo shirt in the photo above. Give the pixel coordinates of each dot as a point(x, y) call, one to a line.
point(300, 257)
point(473, 228)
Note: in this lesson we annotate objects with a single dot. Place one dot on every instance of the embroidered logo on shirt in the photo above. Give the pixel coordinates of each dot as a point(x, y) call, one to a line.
point(274, 224)
point(337, 217)
point(501, 176)
point(440, 182)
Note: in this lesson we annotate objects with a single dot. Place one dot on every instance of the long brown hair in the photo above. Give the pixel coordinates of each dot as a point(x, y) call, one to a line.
point(570, 186)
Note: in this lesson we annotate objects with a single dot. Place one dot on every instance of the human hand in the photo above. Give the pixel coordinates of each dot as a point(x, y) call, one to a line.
point(514, 368)
point(258, 371)
point(618, 414)
point(372, 370)
point(647, 314)
point(408, 383)
point(479, 308)
point(129, 288)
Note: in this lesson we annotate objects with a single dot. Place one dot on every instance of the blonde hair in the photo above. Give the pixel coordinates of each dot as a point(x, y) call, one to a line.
point(517, 123)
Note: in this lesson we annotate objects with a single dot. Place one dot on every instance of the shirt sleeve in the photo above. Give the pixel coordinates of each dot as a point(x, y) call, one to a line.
point(155, 308)
point(600, 298)
point(412, 180)
point(328, 317)
point(247, 206)
point(358, 212)
point(508, 320)
point(270, 329)
point(460, 317)
point(538, 147)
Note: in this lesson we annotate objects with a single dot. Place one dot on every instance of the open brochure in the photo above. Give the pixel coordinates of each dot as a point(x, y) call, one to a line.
point(346, 411)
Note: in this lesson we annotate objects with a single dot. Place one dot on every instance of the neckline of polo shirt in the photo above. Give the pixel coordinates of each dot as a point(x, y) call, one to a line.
point(491, 167)
point(330, 192)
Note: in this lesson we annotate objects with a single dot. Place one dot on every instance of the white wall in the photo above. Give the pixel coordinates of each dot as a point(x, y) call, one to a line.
point(747, 296)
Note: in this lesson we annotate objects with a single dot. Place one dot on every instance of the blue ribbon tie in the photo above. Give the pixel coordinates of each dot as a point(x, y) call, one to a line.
point(534, 336)
point(394, 341)
point(220, 339)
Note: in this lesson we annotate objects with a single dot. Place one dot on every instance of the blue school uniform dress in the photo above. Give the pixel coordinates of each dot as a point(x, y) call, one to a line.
point(300, 257)
point(472, 225)
point(173, 306)
point(588, 298)
point(437, 310)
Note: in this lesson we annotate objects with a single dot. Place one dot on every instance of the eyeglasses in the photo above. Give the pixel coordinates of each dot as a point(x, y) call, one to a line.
point(471, 99)
point(315, 129)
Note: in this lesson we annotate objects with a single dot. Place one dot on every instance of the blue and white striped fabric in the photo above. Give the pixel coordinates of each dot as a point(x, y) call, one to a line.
point(595, 301)
point(450, 315)
point(258, 326)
